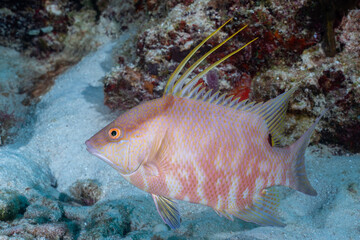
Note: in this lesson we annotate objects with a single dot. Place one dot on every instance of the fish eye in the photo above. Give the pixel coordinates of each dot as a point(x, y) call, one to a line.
point(114, 133)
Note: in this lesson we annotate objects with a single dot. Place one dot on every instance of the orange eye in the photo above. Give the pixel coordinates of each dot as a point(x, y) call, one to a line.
point(114, 133)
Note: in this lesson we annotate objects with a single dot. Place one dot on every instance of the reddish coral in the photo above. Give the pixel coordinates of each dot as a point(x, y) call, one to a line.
point(241, 88)
point(298, 45)
point(331, 80)
point(151, 4)
point(173, 3)
point(126, 88)
point(149, 86)
point(283, 30)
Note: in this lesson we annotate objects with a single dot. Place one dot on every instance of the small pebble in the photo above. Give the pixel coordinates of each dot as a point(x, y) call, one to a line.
point(47, 29)
point(160, 228)
point(34, 32)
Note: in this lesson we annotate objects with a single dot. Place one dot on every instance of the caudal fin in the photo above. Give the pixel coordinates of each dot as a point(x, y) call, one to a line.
point(299, 179)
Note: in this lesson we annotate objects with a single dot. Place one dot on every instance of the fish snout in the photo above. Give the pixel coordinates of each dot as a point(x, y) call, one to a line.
point(89, 147)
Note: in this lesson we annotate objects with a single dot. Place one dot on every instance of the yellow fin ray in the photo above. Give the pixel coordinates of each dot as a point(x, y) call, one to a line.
point(207, 95)
point(220, 99)
point(227, 100)
point(246, 106)
point(213, 97)
point(233, 102)
point(241, 104)
point(273, 112)
point(170, 83)
point(168, 210)
point(200, 94)
point(181, 81)
point(193, 81)
point(194, 91)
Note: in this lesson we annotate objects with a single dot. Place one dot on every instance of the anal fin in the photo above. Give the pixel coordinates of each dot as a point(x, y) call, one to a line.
point(262, 212)
point(223, 213)
point(168, 210)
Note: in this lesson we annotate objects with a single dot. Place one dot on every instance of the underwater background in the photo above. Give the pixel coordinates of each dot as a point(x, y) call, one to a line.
point(68, 68)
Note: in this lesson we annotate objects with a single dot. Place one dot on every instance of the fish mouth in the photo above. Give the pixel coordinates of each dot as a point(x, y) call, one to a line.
point(94, 152)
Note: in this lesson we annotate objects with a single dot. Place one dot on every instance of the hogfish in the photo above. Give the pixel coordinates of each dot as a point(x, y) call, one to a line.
point(197, 146)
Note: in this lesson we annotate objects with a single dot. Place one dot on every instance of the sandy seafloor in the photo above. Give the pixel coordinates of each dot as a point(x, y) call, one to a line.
point(51, 146)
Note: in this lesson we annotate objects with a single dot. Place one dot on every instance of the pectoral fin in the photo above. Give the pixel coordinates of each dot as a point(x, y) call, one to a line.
point(168, 210)
point(151, 169)
point(157, 161)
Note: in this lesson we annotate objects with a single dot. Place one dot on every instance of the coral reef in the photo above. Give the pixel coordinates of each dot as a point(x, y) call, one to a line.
point(44, 210)
point(11, 204)
point(108, 219)
point(48, 37)
point(293, 47)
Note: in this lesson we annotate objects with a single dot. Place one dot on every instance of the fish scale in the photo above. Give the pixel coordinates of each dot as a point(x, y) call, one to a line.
point(208, 170)
point(204, 148)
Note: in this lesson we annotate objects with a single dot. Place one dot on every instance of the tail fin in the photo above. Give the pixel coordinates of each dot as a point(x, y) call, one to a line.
point(300, 181)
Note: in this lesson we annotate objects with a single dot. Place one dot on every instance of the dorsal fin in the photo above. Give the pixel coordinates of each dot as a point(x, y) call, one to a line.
point(273, 112)
point(227, 100)
point(213, 97)
point(246, 106)
point(241, 104)
point(170, 83)
point(181, 81)
point(181, 88)
point(207, 95)
point(220, 100)
point(233, 102)
point(200, 94)
point(183, 92)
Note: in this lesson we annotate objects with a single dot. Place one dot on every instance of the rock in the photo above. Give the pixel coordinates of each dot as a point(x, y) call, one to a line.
point(87, 191)
point(53, 9)
point(105, 220)
point(11, 204)
point(76, 213)
point(34, 32)
point(49, 231)
point(142, 235)
point(47, 29)
point(160, 228)
point(44, 210)
point(125, 88)
point(143, 214)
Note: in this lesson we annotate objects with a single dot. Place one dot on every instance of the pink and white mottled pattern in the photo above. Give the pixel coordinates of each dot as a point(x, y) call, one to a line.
point(216, 156)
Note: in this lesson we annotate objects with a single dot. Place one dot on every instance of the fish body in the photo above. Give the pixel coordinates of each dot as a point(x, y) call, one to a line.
point(216, 156)
point(200, 147)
